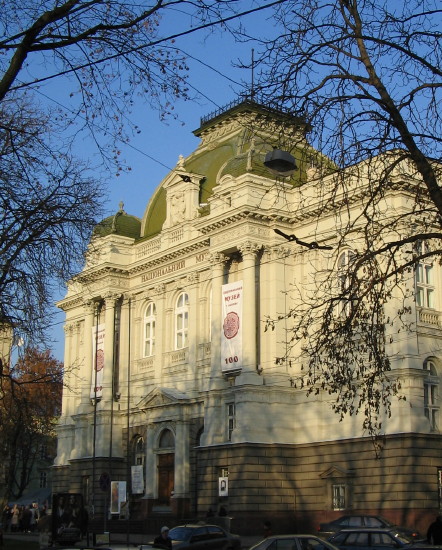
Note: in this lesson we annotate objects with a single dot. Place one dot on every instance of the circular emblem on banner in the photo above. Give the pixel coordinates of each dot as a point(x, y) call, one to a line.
point(231, 325)
point(100, 359)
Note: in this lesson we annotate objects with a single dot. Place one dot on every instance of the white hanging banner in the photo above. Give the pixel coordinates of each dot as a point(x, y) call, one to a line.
point(231, 330)
point(223, 486)
point(97, 361)
point(137, 478)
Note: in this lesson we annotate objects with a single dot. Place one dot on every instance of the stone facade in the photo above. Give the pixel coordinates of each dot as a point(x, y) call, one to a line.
point(147, 310)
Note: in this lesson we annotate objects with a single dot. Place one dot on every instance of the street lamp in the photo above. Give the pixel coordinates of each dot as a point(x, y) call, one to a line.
point(281, 163)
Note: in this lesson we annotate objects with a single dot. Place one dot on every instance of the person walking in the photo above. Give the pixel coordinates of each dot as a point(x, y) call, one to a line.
point(163, 540)
point(434, 533)
point(267, 531)
point(15, 519)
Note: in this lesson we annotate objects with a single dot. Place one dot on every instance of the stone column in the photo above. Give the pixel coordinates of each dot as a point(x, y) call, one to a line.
point(109, 346)
point(66, 409)
point(217, 261)
point(126, 332)
point(278, 267)
point(182, 486)
point(249, 251)
point(90, 309)
point(181, 493)
point(151, 470)
point(160, 329)
point(193, 333)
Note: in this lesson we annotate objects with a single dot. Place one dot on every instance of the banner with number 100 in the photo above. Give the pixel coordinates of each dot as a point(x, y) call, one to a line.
point(231, 330)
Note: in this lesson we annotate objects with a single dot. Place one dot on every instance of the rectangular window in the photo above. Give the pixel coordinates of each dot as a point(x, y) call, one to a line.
point(149, 338)
point(182, 321)
point(43, 480)
point(430, 404)
point(43, 451)
point(181, 330)
point(230, 420)
point(424, 280)
point(338, 496)
point(85, 488)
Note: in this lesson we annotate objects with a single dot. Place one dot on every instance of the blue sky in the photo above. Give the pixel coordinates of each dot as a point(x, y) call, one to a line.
point(154, 152)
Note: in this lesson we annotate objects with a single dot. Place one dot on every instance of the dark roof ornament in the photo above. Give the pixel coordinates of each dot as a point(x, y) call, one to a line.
point(281, 163)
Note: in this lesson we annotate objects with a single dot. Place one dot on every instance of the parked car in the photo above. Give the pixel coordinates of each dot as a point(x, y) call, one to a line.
point(293, 542)
point(369, 538)
point(199, 537)
point(359, 520)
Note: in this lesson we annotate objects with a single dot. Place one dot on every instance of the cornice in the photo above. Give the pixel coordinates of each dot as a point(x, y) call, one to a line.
point(161, 259)
point(70, 303)
point(99, 273)
point(246, 215)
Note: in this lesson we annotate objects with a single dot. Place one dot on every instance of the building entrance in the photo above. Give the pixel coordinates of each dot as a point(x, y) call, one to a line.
point(166, 472)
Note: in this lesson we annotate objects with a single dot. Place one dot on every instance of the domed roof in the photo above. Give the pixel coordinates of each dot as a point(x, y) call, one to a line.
point(234, 141)
point(120, 223)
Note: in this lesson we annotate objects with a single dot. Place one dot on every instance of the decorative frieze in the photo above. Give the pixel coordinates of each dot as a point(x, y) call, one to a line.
point(193, 277)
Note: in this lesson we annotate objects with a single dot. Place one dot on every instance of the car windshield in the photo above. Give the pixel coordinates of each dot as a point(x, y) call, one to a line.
point(181, 533)
point(388, 523)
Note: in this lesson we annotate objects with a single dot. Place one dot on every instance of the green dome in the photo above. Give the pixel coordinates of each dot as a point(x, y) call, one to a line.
point(120, 223)
point(227, 137)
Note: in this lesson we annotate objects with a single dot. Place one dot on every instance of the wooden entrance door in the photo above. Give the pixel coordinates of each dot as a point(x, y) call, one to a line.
point(166, 469)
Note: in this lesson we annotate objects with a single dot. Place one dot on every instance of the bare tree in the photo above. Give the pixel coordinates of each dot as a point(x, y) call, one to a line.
point(108, 52)
point(48, 204)
point(105, 53)
point(366, 77)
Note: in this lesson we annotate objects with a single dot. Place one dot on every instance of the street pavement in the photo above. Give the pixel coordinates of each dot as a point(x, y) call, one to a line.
point(121, 538)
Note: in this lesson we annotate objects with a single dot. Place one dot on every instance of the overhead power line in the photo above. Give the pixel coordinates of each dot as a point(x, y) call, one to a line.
point(148, 45)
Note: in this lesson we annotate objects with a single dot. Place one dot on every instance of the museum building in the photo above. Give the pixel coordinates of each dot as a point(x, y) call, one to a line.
point(176, 393)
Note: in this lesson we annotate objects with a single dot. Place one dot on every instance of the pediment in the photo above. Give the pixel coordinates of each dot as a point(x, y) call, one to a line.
point(161, 397)
point(336, 472)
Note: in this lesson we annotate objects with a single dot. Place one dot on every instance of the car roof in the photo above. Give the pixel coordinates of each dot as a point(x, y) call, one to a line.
point(196, 525)
point(360, 516)
point(377, 529)
point(298, 536)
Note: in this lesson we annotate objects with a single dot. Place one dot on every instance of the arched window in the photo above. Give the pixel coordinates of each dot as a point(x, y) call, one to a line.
point(149, 330)
point(199, 436)
point(344, 265)
point(431, 394)
point(167, 440)
point(424, 278)
point(181, 321)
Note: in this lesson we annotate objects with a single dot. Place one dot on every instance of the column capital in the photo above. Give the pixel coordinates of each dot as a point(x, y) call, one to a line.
point(90, 306)
point(278, 252)
point(110, 298)
point(216, 258)
point(249, 247)
point(68, 328)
